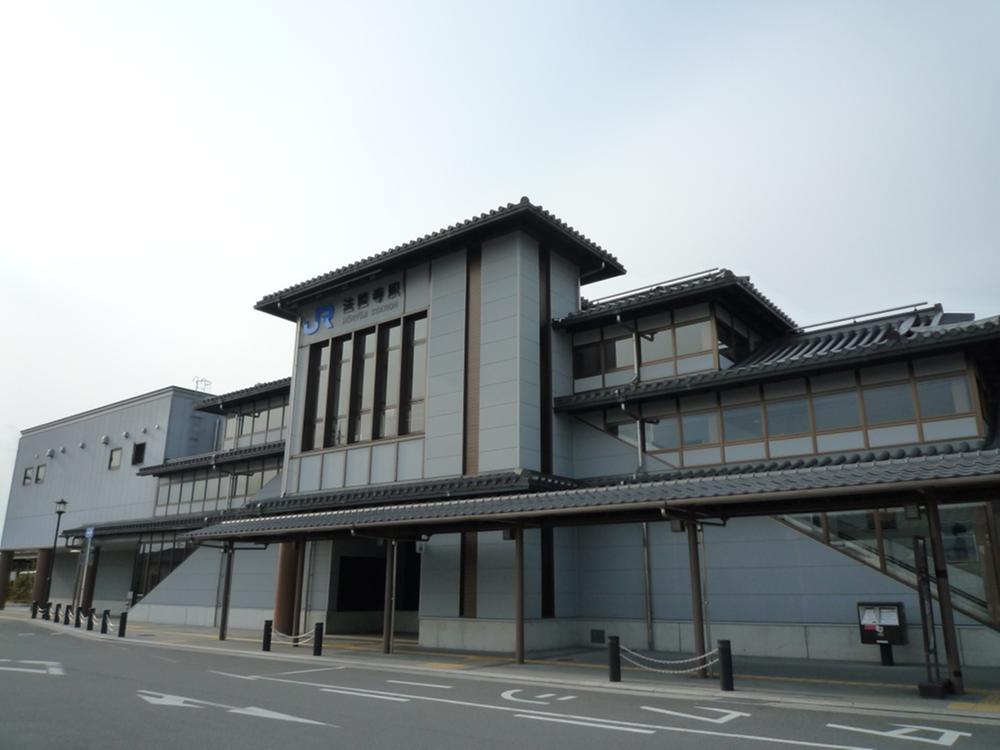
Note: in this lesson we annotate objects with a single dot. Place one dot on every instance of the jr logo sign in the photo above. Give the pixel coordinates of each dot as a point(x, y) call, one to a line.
point(324, 317)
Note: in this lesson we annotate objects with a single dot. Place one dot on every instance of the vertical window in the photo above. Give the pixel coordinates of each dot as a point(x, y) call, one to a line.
point(39, 473)
point(387, 381)
point(115, 458)
point(587, 360)
point(138, 453)
point(319, 364)
point(619, 353)
point(338, 399)
point(414, 375)
point(26, 480)
point(467, 583)
point(229, 438)
point(548, 573)
point(362, 386)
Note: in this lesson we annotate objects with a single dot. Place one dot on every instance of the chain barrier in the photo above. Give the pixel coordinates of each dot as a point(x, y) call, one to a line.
point(305, 636)
point(628, 654)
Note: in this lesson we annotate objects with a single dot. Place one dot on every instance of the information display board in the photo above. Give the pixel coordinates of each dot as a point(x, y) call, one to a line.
point(882, 623)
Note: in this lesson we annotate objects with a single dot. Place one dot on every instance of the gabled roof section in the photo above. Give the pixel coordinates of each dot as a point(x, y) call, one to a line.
point(742, 296)
point(233, 399)
point(921, 332)
point(595, 262)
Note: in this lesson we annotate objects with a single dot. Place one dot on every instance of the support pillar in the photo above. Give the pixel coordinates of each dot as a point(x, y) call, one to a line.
point(389, 605)
point(284, 597)
point(697, 614)
point(91, 579)
point(944, 599)
point(6, 563)
point(227, 587)
point(300, 572)
point(39, 592)
point(519, 596)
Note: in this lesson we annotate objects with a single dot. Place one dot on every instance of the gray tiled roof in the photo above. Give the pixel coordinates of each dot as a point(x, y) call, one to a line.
point(485, 221)
point(281, 385)
point(149, 525)
point(658, 295)
point(802, 352)
point(215, 458)
point(688, 492)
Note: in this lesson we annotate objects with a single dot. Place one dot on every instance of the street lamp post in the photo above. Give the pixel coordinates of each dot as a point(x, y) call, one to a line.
point(60, 509)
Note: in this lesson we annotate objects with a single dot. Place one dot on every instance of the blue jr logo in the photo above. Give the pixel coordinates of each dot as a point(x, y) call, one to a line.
point(324, 315)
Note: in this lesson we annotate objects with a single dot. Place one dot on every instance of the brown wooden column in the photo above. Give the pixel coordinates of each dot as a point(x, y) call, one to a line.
point(6, 563)
point(300, 570)
point(944, 599)
point(389, 604)
point(697, 614)
point(90, 579)
point(227, 588)
point(519, 596)
point(284, 596)
point(39, 591)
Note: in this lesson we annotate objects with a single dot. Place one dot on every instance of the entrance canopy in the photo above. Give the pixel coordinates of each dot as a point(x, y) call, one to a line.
point(950, 472)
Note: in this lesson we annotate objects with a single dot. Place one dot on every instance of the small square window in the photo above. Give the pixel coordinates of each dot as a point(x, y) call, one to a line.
point(138, 453)
point(115, 458)
point(39, 473)
point(28, 476)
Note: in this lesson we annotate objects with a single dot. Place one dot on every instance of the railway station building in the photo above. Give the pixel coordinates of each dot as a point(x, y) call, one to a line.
point(472, 454)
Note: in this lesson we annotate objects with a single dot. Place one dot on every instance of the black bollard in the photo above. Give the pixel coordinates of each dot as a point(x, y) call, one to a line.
point(66, 615)
point(318, 639)
point(614, 659)
point(122, 619)
point(34, 610)
point(104, 621)
point(725, 666)
point(47, 611)
point(268, 625)
point(90, 618)
point(58, 613)
point(77, 623)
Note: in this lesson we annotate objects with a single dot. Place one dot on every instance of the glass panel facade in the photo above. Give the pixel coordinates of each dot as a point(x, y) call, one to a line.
point(891, 403)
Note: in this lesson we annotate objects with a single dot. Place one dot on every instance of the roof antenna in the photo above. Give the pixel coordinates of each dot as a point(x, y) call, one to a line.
point(201, 384)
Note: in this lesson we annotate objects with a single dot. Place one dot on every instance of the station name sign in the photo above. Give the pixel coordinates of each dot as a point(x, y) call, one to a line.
point(356, 307)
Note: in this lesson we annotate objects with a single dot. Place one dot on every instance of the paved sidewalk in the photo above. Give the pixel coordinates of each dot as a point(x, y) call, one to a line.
point(861, 684)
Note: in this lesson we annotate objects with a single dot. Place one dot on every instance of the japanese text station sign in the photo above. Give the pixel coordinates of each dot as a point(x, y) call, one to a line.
point(352, 308)
point(882, 622)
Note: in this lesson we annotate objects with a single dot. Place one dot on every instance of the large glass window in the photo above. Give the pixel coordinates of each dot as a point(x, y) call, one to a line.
point(743, 423)
point(587, 360)
point(733, 338)
point(944, 397)
point(619, 353)
point(338, 397)
point(414, 375)
point(622, 426)
point(387, 381)
point(891, 403)
point(662, 433)
point(700, 429)
point(694, 338)
point(837, 411)
point(315, 406)
point(788, 417)
point(656, 345)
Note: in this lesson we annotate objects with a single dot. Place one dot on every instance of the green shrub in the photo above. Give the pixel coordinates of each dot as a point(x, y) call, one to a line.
point(20, 588)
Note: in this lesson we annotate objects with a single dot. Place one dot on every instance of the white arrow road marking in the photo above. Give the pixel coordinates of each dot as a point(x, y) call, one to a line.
point(773, 741)
point(728, 715)
point(508, 695)
point(421, 684)
point(585, 724)
point(50, 667)
point(945, 737)
point(376, 696)
point(165, 699)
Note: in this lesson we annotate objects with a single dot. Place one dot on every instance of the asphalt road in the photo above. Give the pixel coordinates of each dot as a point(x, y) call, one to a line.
point(60, 690)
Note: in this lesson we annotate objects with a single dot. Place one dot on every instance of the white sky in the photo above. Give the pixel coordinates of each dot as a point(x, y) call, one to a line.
point(164, 165)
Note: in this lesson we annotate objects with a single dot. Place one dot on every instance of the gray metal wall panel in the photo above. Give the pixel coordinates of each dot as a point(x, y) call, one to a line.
point(195, 582)
point(439, 576)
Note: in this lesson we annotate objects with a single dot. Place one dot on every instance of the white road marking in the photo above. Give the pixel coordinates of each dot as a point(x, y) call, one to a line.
point(20, 634)
point(356, 694)
point(508, 695)
point(728, 715)
point(944, 738)
point(50, 667)
point(306, 671)
point(567, 698)
point(179, 701)
point(237, 676)
point(546, 695)
point(585, 724)
point(421, 684)
point(537, 712)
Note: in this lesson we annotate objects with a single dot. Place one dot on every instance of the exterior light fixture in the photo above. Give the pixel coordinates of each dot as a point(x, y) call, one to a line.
point(60, 509)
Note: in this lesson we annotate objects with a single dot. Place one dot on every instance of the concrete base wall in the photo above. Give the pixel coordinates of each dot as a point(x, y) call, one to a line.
point(980, 646)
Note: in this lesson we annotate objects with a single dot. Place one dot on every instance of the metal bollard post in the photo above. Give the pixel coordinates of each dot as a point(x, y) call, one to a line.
point(66, 615)
point(34, 610)
point(47, 611)
point(318, 639)
point(121, 624)
point(77, 616)
point(268, 625)
point(90, 618)
point(104, 621)
point(614, 659)
point(58, 613)
point(725, 666)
